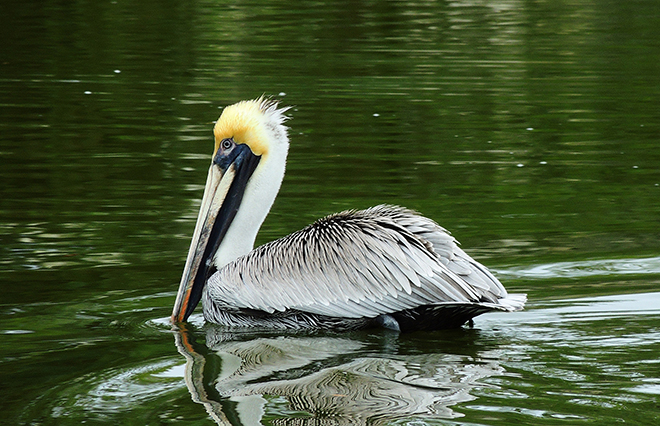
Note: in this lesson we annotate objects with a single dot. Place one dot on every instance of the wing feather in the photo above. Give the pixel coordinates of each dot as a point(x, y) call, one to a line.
point(356, 264)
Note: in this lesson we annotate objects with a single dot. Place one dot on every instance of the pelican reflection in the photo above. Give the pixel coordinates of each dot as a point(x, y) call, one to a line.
point(325, 379)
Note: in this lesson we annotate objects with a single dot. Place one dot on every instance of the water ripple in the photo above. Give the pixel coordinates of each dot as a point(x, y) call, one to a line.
point(579, 269)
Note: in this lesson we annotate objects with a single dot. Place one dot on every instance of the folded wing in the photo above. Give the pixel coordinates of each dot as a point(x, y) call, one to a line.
point(358, 264)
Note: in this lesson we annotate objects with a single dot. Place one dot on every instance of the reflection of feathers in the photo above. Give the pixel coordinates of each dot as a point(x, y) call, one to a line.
point(369, 389)
point(273, 358)
point(318, 376)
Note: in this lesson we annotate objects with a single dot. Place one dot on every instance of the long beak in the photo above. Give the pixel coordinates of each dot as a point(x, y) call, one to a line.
point(199, 260)
point(225, 185)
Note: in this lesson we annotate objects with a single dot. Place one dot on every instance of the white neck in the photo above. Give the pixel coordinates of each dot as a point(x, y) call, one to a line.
point(259, 196)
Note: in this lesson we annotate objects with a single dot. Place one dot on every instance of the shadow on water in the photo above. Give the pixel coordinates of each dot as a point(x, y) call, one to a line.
point(373, 378)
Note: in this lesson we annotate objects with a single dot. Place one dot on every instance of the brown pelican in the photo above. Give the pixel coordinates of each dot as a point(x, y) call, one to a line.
point(385, 265)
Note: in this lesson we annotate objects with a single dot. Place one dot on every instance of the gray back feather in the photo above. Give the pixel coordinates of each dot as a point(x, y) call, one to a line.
point(355, 264)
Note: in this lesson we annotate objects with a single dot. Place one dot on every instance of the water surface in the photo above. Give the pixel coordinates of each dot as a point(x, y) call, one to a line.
point(529, 130)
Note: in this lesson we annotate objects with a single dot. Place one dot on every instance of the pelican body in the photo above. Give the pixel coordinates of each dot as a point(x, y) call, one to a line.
point(384, 266)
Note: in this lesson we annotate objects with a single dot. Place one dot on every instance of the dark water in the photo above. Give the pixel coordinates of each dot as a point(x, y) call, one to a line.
point(531, 130)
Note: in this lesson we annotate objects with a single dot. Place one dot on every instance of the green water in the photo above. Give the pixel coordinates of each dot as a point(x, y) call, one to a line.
point(531, 130)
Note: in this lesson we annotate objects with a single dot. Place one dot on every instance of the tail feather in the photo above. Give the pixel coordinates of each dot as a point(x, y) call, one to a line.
point(513, 302)
point(453, 315)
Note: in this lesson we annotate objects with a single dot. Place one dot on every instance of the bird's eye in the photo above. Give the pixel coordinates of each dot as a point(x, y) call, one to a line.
point(227, 144)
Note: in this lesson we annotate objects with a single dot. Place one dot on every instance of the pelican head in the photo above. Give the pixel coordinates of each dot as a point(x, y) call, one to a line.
point(247, 169)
